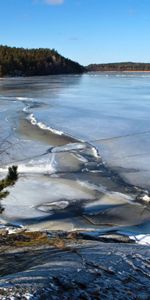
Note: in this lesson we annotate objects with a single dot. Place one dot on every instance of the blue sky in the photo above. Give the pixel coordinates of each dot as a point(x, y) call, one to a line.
point(87, 31)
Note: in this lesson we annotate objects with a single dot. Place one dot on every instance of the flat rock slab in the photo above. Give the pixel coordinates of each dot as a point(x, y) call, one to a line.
point(82, 270)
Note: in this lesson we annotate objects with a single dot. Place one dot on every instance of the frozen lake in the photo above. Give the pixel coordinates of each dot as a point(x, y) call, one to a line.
point(59, 130)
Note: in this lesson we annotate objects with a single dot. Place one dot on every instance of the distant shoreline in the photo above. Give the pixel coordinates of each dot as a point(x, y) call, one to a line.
point(21, 62)
point(120, 67)
point(120, 71)
point(126, 71)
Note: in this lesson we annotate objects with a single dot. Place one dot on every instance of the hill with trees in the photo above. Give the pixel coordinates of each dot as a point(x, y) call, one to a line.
point(119, 67)
point(35, 62)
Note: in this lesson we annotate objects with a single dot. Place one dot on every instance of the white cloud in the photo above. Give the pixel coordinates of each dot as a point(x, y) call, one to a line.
point(54, 2)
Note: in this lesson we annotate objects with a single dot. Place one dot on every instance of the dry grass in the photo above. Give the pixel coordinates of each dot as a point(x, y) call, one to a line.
point(31, 239)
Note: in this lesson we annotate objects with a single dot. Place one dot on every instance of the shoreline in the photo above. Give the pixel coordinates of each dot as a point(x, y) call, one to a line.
point(75, 74)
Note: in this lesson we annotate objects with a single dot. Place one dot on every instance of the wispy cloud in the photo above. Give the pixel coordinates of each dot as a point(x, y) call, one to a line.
point(53, 2)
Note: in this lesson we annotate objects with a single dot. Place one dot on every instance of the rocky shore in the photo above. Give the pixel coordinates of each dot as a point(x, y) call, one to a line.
point(59, 265)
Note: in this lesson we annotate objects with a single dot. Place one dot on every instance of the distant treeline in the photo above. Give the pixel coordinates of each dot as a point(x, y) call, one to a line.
point(119, 67)
point(35, 62)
